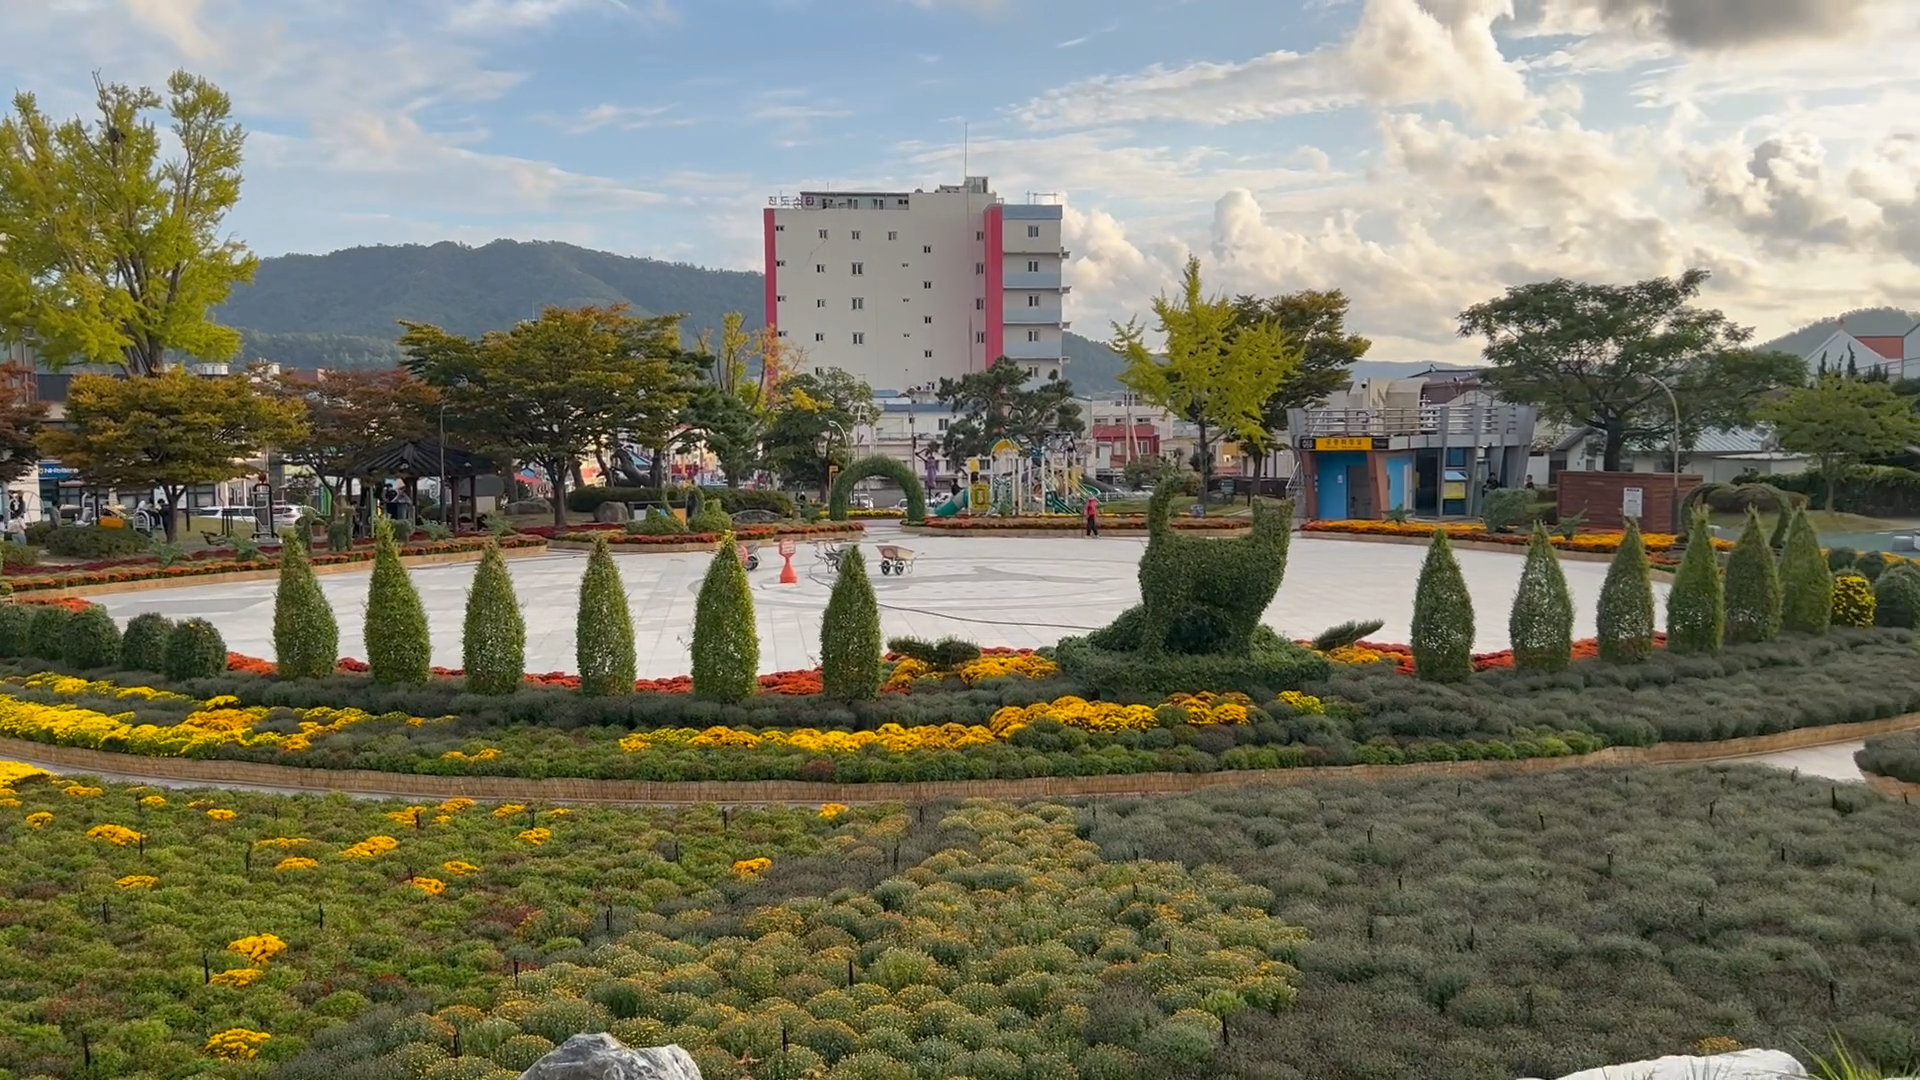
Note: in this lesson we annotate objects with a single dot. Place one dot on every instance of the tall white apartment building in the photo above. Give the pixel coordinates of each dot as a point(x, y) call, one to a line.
point(906, 288)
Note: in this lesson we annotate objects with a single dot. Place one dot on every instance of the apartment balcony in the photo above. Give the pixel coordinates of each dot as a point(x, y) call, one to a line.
point(1033, 350)
point(1026, 316)
point(1030, 281)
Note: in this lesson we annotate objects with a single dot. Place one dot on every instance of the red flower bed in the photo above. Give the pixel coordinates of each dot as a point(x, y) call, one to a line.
point(749, 532)
point(1583, 649)
point(118, 574)
point(1075, 523)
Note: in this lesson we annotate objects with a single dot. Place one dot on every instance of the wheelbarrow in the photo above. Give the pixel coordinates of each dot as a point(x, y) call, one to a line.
point(895, 559)
point(749, 555)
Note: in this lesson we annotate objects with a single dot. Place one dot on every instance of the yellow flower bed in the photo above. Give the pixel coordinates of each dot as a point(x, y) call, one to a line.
point(487, 754)
point(258, 948)
point(891, 737)
point(138, 881)
point(154, 802)
point(832, 810)
point(73, 686)
point(80, 791)
point(430, 886)
point(459, 866)
point(12, 772)
point(370, 847)
point(237, 1044)
point(907, 671)
point(454, 806)
point(219, 814)
point(749, 867)
point(282, 842)
point(536, 837)
point(196, 735)
point(117, 835)
point(508, 809)
point(296, 862)
point(38, 820)
point(238, 978)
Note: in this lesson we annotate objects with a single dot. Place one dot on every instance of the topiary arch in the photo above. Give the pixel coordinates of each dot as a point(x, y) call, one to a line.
point(840, 499)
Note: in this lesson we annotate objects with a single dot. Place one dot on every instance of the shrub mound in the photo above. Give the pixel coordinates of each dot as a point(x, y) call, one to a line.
point(1897, 756)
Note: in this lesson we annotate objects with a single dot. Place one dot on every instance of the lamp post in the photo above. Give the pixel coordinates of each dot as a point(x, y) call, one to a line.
point(446, 513)
point(1675, 402)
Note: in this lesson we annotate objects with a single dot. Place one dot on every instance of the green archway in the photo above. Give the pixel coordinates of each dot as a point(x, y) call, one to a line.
point(840, 499)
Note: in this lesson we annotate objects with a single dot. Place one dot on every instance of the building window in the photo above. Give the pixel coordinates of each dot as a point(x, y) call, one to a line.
point(981, 235)
point(823, 234)
point(859, 269)
point(819, 268)
point(929, 354)
point(979, 304)
point(891, 235)
point(819, 303)
point(1033, 266)
point(1033, 371)
point(783, 333)
point(979, 268)
point(1033, 301)
point(779, 228)
point(943, 423)
point(856, 234)
point(926, 284)
point(859, 303)
point(859, 338)
point(1033, 232)
point(900, 202)
point(877, 205)
point(979, 337)
point(779, 299)
point(1033, 335)
point(819, 337)
point(927, 319)
point(926, 249)
point(779, 262)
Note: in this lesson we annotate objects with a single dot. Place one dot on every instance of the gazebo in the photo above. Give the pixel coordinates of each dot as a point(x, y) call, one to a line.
point(409, 461)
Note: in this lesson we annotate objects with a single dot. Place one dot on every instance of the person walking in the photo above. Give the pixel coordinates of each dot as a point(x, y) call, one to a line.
point(1093, 515)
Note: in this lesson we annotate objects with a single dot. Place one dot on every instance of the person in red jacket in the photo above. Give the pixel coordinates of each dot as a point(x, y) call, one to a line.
point(1093, 516)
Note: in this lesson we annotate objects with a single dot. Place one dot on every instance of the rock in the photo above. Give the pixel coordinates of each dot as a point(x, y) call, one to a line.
point(613, 513)
point(603, 1057)
point(1739, 1065)
point(529, 507)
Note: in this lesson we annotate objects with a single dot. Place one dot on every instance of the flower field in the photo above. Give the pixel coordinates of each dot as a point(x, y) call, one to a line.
point(1072, 523)
point(128, 571)
point(1596, 543)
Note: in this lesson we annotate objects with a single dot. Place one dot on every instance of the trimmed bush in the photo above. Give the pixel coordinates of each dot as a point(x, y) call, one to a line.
point(943, 655)
point(1752, 587)
point(94, 542)
point(1896, 596)
point(850, 633)
point(195, 650)
point(733, 500)
point(1442, 617)
point(1806, 583)
point(1505, 509)
point(711, 517)
point(1540, 626)
point(340, 535)
point(726, 646)
point(1269, 667)
point(1696, 605)
point(399, 650)
point(657, 523)
point(47, 632)
point(493, 639)
point(143, 647)
point(603, 633)
point(1871, 564)
point(840, 496)
point(1624, 620)
point(1346, 633)
point(16, 622)
point(306, 636)
point(93, 640)
point(1853, 603)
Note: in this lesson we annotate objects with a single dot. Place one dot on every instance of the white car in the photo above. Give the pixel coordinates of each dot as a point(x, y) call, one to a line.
point(241, 519)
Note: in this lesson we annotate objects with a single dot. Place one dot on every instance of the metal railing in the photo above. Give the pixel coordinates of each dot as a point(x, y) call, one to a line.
point(1472, 424)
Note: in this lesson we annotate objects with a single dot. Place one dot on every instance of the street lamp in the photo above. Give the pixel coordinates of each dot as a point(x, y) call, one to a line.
point(1675, 402)
point(446, 513)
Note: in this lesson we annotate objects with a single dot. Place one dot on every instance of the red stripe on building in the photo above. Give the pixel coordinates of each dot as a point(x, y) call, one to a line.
point(773, 279)
point(996, 276)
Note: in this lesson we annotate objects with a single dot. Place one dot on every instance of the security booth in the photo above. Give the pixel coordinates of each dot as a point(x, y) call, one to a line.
point(1414, 459)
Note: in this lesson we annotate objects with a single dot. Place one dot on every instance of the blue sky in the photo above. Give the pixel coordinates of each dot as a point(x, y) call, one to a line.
point(1421, 154)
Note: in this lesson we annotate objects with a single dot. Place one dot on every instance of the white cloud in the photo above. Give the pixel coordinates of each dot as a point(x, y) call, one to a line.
point(492, 16)
point(619, 118)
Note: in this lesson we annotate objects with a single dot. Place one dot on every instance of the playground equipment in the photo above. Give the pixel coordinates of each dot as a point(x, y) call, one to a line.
point(1022, 482)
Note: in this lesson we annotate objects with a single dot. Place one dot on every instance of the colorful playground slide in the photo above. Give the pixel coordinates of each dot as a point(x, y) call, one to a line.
point(952, 506)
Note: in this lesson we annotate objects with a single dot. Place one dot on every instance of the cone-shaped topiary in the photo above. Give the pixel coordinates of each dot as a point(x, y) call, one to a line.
point(306, 637)
point(1696, 608)
point(1896, 596)
point(93, 640)
point(1753, 587)
point(1852, 600)
point(493, 642)
point(1806, 584)
point(1541, 623)
point(143, 647)
point(850, 633)
point(1442, 617)
point(726, 646)
point(47, 632)
point(399, 650)
point(195, 650)
point(1624, 620)
point(603, 635)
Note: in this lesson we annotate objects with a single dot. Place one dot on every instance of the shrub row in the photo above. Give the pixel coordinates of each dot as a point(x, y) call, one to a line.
point(733, 500)
point(1896, 755)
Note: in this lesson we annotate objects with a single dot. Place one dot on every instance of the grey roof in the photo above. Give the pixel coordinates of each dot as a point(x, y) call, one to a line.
point(1733, 441)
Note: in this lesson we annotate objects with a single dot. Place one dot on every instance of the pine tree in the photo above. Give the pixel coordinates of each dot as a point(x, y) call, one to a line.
point(1442, 617)
point(493, 641)
point(306, 637)
point(1541, 623)
point(1696, 611)
point(1625, 617)
point(399, 648)
point(850, 633)
point(1753, 587)
point(726, 646)
point(1806, 582)
point(603, 634)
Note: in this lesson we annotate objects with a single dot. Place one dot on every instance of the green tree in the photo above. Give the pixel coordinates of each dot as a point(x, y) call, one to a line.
point(1442, 617)
point(1541, 624)
point(171, 431)
point(811, 426)
point(399, 647)
point(350, 413)
point(1317, 320)
point(1753, 587)
point(306, 637)
point(850, 633)
point(1595, 356)
point(21, 415)
point(493, 640)
point(1624, 618)
point(112, 255)
point(1696, 607)
point(1214, 371)
point(997, 403)
point(1806, 581)
point(554, 389)
point(603, 632)
point(726, 644)
point(1839, 421)
point(729, 428)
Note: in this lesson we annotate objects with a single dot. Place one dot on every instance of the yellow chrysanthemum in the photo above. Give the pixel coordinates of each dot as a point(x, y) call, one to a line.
point(237, 1044)
point(117, 835)
point(80, 791)
point(747, 868)
point(508, 809)
point(138, 881)
point(370, 847)
point(296, 862)
point(832, 810)
point(219, 814)
point(238, 978)
point(258, 948)
point(154, 802)
point(430, 886)
point(38, 819)
point(459, 866)
point(536, 836)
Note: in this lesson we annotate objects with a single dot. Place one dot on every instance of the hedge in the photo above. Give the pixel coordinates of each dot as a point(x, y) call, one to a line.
point(1870, 490)
point(733, 500)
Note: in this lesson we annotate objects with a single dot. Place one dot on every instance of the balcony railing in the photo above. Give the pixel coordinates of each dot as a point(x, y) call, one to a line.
point(1469, 424)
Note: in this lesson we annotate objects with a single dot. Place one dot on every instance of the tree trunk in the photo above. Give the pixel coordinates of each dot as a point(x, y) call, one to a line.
point(1831, 468)
point(1616, 441)
point(658, 470)
point(169, 525)
point(557, 473)
point(1206, 464)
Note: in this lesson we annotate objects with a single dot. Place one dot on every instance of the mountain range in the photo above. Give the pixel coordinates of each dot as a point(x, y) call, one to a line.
point(343, 309)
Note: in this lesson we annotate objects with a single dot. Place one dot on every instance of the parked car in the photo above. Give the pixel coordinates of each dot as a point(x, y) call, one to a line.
point(227, 520)
point(862, 501)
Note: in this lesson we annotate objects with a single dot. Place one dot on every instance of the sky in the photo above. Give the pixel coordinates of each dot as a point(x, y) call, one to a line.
point(1422, 155)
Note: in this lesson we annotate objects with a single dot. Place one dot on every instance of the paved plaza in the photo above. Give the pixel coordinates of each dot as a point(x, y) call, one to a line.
point(992, 590)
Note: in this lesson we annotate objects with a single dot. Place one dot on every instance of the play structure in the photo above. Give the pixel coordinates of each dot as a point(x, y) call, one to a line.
point(1021, 483)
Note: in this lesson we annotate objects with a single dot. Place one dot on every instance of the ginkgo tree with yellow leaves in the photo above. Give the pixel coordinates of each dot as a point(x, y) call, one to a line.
point(1213, 369)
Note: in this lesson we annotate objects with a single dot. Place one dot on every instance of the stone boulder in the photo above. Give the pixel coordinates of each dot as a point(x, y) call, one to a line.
point(1739, 1065)
point(613, 513)
point(603, 1057)
point(529, 507)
